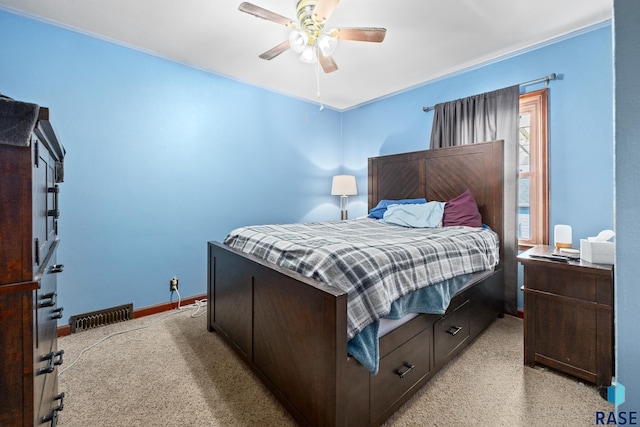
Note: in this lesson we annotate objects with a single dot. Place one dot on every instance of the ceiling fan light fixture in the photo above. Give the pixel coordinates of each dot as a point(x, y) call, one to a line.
point(298, 40)
point(307, 37)
point(309, 55)
point(327, 44)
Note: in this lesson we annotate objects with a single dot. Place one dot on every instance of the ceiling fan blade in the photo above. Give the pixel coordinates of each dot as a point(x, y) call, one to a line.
point(375, 35)
point(323, 10)
point(328, 64)
point(260, 12)
point(273, 52)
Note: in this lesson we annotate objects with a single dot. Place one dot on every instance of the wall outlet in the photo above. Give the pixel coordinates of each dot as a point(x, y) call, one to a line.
point(173, 284)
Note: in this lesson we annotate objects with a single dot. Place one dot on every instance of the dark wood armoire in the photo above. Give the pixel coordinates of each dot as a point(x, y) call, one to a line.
point(31, 169)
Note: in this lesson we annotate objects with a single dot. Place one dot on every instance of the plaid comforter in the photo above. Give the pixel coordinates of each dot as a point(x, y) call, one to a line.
point(374, 262)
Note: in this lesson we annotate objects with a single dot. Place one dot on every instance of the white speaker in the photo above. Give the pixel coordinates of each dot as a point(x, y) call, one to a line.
point(562, 236)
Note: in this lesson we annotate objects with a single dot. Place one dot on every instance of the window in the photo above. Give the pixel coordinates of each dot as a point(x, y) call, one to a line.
point(533, 172)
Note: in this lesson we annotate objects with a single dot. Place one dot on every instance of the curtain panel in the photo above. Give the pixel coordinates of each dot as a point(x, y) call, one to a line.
point(487, 117)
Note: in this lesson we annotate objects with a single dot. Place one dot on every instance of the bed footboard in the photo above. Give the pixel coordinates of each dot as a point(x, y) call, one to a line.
point(291, 330)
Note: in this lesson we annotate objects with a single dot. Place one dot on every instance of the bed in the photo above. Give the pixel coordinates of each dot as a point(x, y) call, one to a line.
point(293, 330)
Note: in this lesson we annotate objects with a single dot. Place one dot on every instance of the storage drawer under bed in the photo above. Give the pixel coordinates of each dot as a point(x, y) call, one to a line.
point(450, 332)
point(399, 371)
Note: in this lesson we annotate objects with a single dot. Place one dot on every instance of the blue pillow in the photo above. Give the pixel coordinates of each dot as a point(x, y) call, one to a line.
point(381, 207)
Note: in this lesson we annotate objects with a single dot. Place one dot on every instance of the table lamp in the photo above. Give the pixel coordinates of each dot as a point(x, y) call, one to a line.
point(343, 186)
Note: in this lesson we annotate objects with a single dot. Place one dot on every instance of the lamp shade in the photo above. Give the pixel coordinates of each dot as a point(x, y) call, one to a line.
point(298, 40)
point(309, 55)
point(327, 44)
point(344, 185)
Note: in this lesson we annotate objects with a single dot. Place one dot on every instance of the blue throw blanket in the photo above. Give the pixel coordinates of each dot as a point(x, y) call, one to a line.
point(433, 299)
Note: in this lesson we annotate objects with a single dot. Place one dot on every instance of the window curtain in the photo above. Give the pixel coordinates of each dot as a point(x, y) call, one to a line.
point(487, 117)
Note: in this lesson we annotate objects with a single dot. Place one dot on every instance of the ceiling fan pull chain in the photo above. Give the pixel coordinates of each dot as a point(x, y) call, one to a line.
point(317, 68)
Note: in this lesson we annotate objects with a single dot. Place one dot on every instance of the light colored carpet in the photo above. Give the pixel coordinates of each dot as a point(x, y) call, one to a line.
point(173, 372)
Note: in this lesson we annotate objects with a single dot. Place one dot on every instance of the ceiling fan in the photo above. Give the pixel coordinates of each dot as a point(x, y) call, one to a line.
point(308, 36)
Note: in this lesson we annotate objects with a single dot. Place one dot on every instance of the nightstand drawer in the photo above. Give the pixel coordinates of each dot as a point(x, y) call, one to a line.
point(575, 283)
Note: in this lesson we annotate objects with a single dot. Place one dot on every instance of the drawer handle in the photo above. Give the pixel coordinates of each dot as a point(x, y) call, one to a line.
point(52, 362)
point(454, 330)
point(57, 313)
point(402, 373)
point(55, 212)
point(53, 416)
point(47, 300)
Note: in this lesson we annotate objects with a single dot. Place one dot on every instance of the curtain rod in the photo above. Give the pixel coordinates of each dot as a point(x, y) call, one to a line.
point(544, 79)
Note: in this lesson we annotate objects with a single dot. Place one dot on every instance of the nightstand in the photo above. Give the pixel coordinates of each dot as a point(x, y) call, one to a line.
point(568, 316)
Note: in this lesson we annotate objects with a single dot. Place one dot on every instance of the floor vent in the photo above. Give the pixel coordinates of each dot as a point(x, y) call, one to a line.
point(95, 319)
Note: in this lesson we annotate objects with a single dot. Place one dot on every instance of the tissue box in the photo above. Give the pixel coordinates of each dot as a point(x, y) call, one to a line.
point(597, 252)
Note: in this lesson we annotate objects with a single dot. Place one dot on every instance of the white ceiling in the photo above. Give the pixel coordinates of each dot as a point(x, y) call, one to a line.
point(426, 39)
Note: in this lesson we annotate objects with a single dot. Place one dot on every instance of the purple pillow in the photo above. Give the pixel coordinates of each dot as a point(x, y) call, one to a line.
point(463, 210)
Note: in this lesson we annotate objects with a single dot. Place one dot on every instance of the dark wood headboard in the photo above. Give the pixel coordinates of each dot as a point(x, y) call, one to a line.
point(441, 175)
point(445, 173)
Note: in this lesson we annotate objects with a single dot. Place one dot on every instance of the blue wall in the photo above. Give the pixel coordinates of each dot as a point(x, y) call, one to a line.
point(627, 204)
point(161, 159)
point(580, 125)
